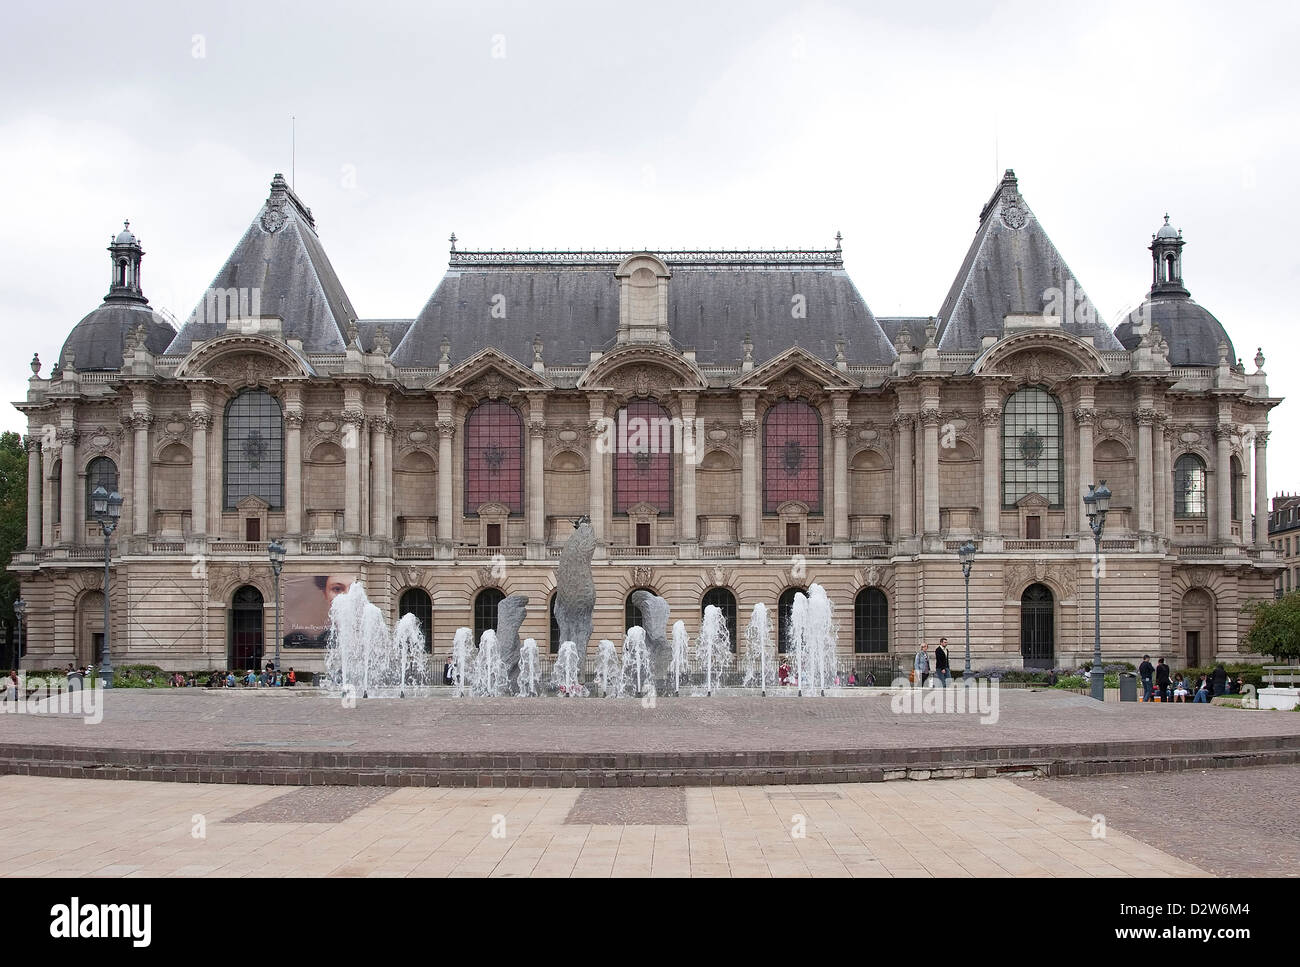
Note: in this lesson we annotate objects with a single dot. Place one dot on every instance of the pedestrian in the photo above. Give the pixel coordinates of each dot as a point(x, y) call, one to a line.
point(1202, 692)
point(941, 662)
point(1162, 679)
point(447, 678)
point(921, 665)
point(1218, 680)
point(1145, 672)
point(11, 687)
point(292, 678)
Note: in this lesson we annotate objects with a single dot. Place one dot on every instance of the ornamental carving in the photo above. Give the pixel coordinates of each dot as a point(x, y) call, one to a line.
point(240, 370)
point(1085, 415)
point(293, 419)
point(643, 576)
point(203, 421)
point(1060, 576)
point(489, 576)
point(66, 436)
point(1039, 367)
point(840, 428)
point(875, 576)
point(223, 579)
point(793, 386)
point(1113, 424)
point(446, 429)
point(990, 418)
point(717, 576)
point(749, 429)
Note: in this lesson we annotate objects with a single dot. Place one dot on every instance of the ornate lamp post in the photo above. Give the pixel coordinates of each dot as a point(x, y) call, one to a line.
point(966, 554)
point(107, 508)
point(20, 609)
point(277, 552)
point(1097, 500)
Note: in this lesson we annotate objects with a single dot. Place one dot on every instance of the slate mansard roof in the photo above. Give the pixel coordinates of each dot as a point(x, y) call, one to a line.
point(571, 299)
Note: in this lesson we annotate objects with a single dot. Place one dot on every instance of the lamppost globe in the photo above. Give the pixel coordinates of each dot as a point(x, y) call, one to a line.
point(107, 509)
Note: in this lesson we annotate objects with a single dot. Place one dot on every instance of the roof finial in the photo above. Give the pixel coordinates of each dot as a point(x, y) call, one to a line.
point(453, 241)
point(838, 239)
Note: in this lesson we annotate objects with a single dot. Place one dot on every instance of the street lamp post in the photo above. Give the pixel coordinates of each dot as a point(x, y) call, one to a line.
point(20, 609)
point(107, 508)
point(966, 554)
point(1097, 500)
point(277, 553)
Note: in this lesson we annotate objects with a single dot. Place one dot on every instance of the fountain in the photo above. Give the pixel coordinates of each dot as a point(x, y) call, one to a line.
point(609, 673)
point(713, 648)
point(564, 676)
point(362, 653)
point(530, 672)
point(760, 650)
point(408, 642)
point(637, 668)
point(489, 668)
point(462, 647)
point(812, 640)
point(680, 663)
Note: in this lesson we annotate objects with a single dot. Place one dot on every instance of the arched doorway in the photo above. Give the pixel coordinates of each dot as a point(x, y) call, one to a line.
point(724, 601)
point(784, 608)
point(247, 626)
point(1196, 618)
point(89, 644)
point(631, 613)
point(1037, 626)
point(485, 611)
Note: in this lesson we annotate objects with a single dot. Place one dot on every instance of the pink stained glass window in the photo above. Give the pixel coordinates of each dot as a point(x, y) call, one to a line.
point(643, 457)
point(792, 456)
point(494, 457)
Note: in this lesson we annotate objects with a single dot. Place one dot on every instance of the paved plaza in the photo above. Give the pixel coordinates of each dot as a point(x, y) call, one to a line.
point(965, 827)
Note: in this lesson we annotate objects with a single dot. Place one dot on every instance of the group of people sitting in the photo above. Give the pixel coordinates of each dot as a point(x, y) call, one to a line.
point(269, 678)
point(1157, 679)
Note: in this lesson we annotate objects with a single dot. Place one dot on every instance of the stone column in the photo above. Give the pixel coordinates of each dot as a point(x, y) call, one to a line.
point(353, 422)
point(293, 420)
point(201, 421)
point(217, 460)
point(840, 426)
point(141, 420)
point(596, 467)
point(537, 475)
point(1161, 474)
point(991, 463)
point(1085, 418)
point(1145, 420)
point(906, 487)
point(33, 446)
point(1261, 488)
point(1223, 481)
point(931, 420)
point(446, 436)
point(379, 483)
point(686, 522)
point(49, 498)
point(68, 498)
point(363, 487)
point(1167, 442)
point(750, 480)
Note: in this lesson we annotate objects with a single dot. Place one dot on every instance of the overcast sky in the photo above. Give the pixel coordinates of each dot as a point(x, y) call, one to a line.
point(658, 125)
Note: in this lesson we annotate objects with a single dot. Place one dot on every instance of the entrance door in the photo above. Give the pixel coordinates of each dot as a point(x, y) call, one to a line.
point(792, 534)
point(97, 651)
point(88, 646)
point(1037, 627)
point(1193, 648)
point(246, 625)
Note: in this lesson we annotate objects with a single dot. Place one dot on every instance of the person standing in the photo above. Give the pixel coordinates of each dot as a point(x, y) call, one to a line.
point(1145, 672)
point(1218, 681)
point(1162, 679)
point(921, 665)
point(941, 662)
point(447, 677)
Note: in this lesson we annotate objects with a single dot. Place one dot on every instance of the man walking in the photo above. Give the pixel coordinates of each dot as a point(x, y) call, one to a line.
point(1162, 679)
point(1145, 671)
point(921, 666)
point(941, 662)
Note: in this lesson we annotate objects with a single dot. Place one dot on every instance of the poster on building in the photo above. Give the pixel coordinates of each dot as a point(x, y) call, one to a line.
point(307, 599)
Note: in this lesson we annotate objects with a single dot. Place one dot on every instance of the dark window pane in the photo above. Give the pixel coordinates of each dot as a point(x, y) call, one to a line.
point(100, 472)
point(555, 630)
point(784, 605)
point(631, 613)
point(1189, 486)
point(725, 601)
point(494, 457)
point(792, 456)
point(254, 442)
point(643, 458)
point(1032, 452)
point(485, 611)
point(416, 601)
point(871, 621)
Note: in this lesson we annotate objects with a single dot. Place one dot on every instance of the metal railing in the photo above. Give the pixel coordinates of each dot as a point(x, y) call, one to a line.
point(1039, 545)
point(238, 547)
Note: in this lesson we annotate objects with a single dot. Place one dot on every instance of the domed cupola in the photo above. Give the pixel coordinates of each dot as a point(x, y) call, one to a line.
point(1191, 331)
point(98, 340)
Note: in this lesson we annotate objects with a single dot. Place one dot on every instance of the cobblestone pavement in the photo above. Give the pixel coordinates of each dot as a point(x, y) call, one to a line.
point(1241, 822)
point(306, 720)
point(962, 827)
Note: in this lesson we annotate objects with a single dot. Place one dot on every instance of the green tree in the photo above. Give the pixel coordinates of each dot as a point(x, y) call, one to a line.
point(13, 527)
point(1276, 628)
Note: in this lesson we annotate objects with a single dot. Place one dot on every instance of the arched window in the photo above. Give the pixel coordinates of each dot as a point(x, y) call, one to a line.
point(1189, 486)
point(784, 605)
point(1238, 487)
point(416, 601)
point(100, 472)
point(871, 622)
point(494, 457)
point(1037, 626)
point(246, 624)
point(56, 488)
point(792, 456)
point(1032, 455)
point(254, 435)
point(724, 601)
point(643, 457)
point(555, 628)
point(631, 613)
point(485, 611)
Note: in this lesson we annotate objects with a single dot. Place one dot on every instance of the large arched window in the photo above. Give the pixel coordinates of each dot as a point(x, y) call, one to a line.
point(1189, 486)
point(784, 606)
point(555, 628)
point(792, 456)
point(416, 601)
point(1032, 455)
point(643, 457)
point(631, 613)
point(724, 601)
point(246, 624)
point(871, 622)
point(494, 457)
point(485, 611)
point(1238, 488)
point(56, 488)
point(100, 472)
point(254, 435)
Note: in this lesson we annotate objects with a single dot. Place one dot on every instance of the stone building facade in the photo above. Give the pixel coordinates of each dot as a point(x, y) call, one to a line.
point(794, 437)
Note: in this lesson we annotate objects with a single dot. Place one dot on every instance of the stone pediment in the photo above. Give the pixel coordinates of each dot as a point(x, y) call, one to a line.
point(642, 371)
point(1041, 356)
point(796, 372)
point(1034, 501)
point(240, 360)
point(488, 375)
point(643, 509)
point(253, 504)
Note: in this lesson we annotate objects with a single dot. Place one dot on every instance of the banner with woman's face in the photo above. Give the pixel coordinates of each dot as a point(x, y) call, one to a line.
point(307, 600)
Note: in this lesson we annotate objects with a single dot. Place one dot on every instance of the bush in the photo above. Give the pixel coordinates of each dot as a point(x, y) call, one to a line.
point(1275, 626)
point(1073, 682)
